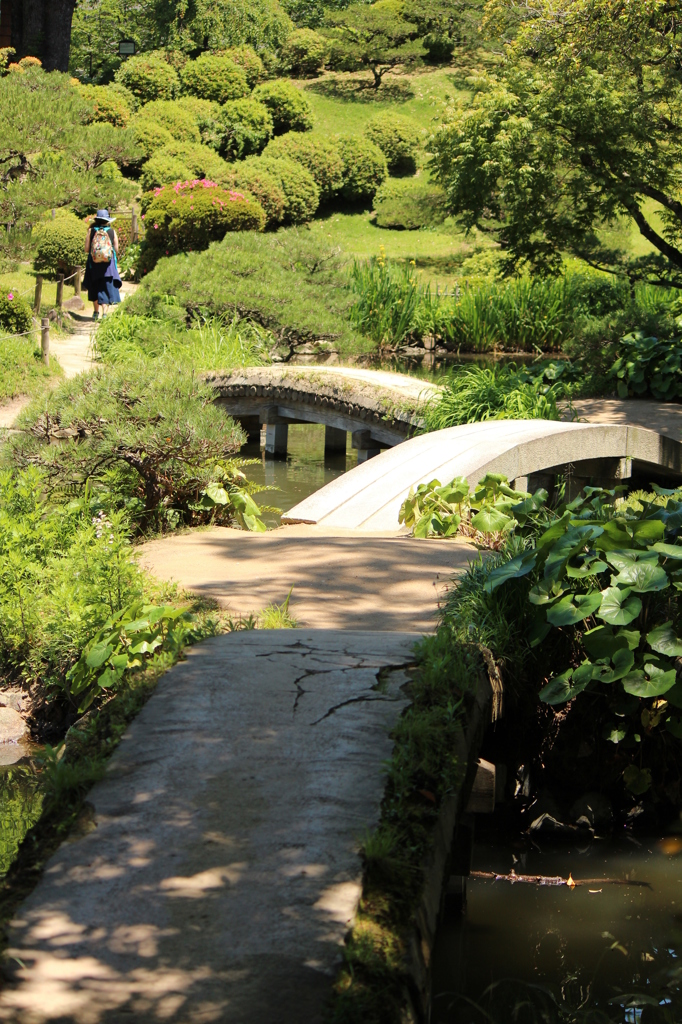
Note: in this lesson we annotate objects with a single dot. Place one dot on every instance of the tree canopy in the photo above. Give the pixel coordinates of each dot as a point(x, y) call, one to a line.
point(377, 37)
point(581, 125)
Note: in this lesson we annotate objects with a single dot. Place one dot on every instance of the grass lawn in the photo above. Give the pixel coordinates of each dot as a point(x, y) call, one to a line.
point(23, 283)
point(340, 106)
point(438, 252)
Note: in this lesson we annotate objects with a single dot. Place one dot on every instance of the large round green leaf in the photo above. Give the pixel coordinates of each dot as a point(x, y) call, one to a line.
point(659, 681)
point(491, 520)
point(643, 577)
point(617, 607)
point(511, 570)
point(663, 640)
point(573, 608)
point(559, 689)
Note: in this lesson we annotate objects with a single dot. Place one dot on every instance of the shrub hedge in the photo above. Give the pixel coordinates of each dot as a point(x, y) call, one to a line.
point(170, 114)
point(180, 161)
point(289, 108)
point(16, 315)
point(213, 77)
point(59, 244)
point(364, 167)
point(319, 155)
point(398, 139)
point(301, 194)
point(151, 137)
point(249, 61)
point(149, 77)
point(192, 214)
point(304, 52)
point(107, 104)
point(252, 177)
point(206, 116)
point(409, 203)
point(245, 128)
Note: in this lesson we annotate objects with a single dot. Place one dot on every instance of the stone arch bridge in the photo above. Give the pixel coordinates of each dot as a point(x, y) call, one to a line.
point(379, 409)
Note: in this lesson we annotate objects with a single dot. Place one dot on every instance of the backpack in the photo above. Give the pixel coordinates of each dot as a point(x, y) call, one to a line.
point(101, 248)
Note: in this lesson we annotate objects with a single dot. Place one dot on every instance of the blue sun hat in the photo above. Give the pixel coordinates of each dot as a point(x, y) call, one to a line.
point(104, 215)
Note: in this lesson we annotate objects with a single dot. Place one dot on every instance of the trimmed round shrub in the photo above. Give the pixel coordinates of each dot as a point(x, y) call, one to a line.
point(16, 316)
point(289, 108)
point(251, 177)
point(179, 161)
point(319, 155)
point(246, 126)
point(107, 105)
point(301, 194)
point(249, 61)
point(171, 115)
point(398, 139)
point(304, 52)
point(214, 78)
point(150, 137)
point(149, 77)
point(364, 167)
point(131, 101)
point(409, 203)
point(206, 115)
point(190, 215)
point(60, 244)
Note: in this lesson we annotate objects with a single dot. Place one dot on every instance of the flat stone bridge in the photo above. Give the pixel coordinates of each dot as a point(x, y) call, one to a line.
point(379, 409)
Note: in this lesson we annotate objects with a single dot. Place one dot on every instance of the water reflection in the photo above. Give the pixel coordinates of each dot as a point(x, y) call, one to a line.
point(587, 945)
point(304, 471)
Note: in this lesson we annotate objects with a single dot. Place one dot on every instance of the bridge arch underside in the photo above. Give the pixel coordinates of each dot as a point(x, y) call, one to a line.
point(370, 432)
point(534, 453)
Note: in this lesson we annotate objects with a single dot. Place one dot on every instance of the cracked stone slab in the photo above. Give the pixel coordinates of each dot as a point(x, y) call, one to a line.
point(218, 872)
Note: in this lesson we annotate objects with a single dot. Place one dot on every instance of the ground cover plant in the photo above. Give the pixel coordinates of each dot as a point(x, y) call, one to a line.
point(22, 371)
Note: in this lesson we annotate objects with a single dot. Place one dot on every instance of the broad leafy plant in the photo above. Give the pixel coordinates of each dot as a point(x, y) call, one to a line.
point(122, 644)
point(606, 574)
point(649, 366)
point(230, 495)
point(493, 508)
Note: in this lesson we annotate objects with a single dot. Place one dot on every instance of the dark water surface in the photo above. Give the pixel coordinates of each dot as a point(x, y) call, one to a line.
point(586, 945)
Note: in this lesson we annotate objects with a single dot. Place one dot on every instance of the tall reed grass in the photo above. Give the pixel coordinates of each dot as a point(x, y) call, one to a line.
point(392, 307)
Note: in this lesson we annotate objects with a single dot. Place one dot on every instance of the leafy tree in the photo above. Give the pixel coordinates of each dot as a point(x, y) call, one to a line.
point(377, 37)
point(581, 126)
point(49, 156)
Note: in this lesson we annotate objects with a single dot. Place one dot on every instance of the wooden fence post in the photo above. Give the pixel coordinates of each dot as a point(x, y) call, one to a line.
point(60, 291)
point(45, 339)
point(38, 298)
point(133, 225)
point(77, 282)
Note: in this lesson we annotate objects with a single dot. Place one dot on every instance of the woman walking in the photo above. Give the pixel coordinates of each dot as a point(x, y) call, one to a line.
point(101, 271)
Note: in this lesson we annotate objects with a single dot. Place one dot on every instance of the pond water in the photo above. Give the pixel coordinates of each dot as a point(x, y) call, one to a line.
point(304, 470)
point(587, 945)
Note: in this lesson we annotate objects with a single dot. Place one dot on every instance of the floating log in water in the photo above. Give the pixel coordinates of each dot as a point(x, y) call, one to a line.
point(556, 879)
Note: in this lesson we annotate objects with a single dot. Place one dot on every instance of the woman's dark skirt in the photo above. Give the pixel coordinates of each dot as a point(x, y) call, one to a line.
point(103, 291)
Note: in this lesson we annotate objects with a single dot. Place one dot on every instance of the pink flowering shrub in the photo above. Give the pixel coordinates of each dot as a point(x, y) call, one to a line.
point(189, 215)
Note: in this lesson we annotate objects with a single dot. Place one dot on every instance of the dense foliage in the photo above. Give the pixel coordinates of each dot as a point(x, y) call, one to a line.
point(648, 366)
point(180, 161)
point(16, 315)
point(245, 128)
point(377, 36)
point(283, 281)
point(170, 114)
point(364, 168)
point(189, 215)
point(301, 194)
point(288, 106)
point(317, 154)
point(249, 61)
point(304, 52)
point(580, 125)
point(149, 77)
point(142, 436)
point(266, 188)
point(60, 245)
point(107, 105)
point(212, 77)
point(398, 139)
